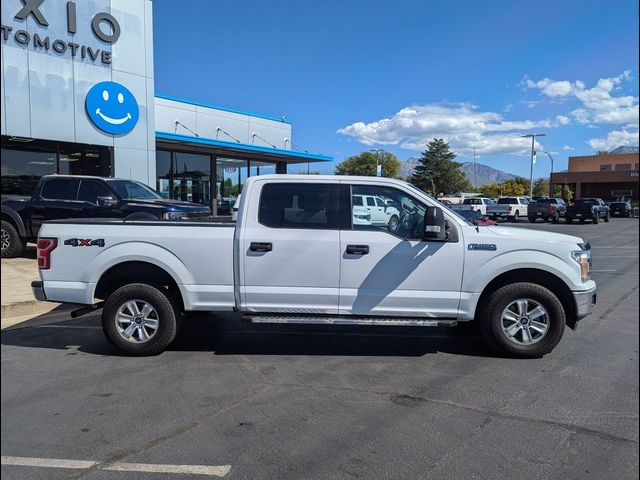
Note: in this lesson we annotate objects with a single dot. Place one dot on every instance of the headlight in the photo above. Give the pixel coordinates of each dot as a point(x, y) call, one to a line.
point(172, 215)
point(583, 258)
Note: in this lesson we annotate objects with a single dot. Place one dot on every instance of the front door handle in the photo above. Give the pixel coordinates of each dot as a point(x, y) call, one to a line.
point(357, 249)
point(260, 246)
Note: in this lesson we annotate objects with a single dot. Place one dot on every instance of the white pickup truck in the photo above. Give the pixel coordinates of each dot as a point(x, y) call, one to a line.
point(509, 208)
point(296, 255)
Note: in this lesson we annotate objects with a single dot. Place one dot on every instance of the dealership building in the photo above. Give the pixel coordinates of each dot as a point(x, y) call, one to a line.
point(78, 98)
point(612, 176)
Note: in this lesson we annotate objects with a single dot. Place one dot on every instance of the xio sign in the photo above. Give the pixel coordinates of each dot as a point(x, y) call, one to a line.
point(104, 26)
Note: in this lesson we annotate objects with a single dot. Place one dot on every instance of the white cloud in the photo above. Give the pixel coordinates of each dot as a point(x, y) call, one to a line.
point(563, 120)
point(463, 126)
point(568, 148)
point(615, 138)
point(600, 104)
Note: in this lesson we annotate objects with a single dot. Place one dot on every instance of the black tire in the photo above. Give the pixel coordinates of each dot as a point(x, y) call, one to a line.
point(556, 218)
point(490, 319)
point(582, 220)
point(516, 217)
point(568, 219)
point(167, 317)
point(394, 223)
point(606, 219)
point(12, 244)
point(532, 219)
point(596, 219)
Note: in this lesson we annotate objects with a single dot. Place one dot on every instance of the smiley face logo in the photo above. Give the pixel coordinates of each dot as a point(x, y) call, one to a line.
point(112, 108)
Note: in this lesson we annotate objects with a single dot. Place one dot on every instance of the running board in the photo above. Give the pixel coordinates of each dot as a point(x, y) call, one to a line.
point(349, 320)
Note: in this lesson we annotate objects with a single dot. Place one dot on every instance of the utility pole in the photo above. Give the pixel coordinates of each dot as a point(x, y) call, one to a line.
point(550, 174)
point(475, 170)
point(533, 143)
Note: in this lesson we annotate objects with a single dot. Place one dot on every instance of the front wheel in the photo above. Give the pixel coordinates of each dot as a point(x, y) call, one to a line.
point(523, 320)
point(606, 219)
point(596, 219)
point(140, 319)
point(556, 218)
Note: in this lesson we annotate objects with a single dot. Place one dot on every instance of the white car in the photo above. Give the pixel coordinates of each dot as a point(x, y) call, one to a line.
point(295, 256)
point(375, 210)
point(478, 203)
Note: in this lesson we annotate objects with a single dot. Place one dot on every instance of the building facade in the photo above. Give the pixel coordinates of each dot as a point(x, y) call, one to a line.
point(78, 97)
point(612, 177)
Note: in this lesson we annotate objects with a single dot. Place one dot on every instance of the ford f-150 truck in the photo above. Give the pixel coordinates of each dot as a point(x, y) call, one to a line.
point(592, 209)
point(75, 196)
point(296, 255)
point(509, 208)
point(548, 209)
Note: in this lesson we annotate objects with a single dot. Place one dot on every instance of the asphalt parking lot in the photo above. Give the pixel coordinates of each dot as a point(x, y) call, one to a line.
point(253, 402)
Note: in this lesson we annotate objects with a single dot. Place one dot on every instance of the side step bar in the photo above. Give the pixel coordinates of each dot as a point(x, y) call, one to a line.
point(350, 320)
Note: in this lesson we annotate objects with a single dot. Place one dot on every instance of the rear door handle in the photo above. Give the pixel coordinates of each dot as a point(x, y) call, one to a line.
point(260, 246)
point(357, 249)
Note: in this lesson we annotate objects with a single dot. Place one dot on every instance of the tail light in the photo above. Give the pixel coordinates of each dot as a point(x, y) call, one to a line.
point(508, 208)
point(552, 208)
point(45, 247)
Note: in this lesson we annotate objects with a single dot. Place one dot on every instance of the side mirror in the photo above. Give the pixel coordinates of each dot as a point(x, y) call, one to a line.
point(106, 202)
point(435, 227)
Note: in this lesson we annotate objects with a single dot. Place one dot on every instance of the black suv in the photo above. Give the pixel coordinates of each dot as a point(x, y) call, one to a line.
point(621, 209)
point(72, 196)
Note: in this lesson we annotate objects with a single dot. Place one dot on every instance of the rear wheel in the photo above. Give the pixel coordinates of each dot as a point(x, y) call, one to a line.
point(12, 244)
point(556, 218)
point(524, 320)
point(516, 217)
point(393, 223)
point(140, 319)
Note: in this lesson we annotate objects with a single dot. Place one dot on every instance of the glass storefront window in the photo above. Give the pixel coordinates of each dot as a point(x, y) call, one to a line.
point(184, 176)
point(21, 170)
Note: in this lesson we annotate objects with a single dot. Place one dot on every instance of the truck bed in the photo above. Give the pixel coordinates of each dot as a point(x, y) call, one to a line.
point(185, 249)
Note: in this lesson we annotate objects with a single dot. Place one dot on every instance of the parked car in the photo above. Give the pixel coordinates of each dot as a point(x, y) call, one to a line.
point(584, 209)
point(375, 210)
point(509, 208)
point(475, 217)
point(548, 209)
point(478, 203)
point(446, 203)
point(295, 256)
point(73, 196)
point(621, 209)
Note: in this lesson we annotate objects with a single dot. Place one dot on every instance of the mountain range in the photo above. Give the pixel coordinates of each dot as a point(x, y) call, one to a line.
point(480, 175)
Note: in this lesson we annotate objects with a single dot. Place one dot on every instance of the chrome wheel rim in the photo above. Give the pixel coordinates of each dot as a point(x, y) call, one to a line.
point(137, 321)
point(525, 321)
point(6, 240)
point(393, 224)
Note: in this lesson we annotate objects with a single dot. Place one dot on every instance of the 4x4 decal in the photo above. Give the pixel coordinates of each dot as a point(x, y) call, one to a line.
point(85, 242)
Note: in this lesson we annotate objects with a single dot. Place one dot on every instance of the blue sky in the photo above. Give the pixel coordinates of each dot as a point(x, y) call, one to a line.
point(356, 75)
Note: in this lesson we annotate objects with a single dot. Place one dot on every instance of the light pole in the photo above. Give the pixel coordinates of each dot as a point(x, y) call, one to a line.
point(550, 173)
point(533, 143)
point(377, 152)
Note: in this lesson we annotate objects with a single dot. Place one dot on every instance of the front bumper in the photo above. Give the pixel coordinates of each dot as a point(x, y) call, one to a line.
point(38, 290)
point(585, 302)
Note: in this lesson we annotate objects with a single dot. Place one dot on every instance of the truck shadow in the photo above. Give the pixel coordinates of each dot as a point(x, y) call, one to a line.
point(226, 334)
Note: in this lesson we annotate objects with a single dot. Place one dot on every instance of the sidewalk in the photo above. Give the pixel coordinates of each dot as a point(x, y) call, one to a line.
point(17, 298)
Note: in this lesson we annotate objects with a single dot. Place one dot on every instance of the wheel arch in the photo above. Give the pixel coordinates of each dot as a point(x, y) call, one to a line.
point(12, 217)
point(533, 275)
point(137, 271)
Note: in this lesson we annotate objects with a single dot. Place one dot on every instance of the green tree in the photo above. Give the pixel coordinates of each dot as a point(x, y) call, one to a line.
point(364, 164)
point(491, 190)
point(602, 152)
point(437, 172)
point(541, 187)
point(515, 187)
point(563, 191)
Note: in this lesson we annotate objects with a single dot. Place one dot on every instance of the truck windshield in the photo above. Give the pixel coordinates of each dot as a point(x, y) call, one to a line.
point(129, 190)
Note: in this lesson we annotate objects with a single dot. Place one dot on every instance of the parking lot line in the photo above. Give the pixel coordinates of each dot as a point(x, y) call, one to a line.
point(211, 470)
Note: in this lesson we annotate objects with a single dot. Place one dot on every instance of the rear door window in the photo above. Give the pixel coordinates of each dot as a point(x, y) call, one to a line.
point(299, 205)
point(60, 189)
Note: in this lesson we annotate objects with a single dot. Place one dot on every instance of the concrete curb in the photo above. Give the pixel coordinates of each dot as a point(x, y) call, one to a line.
point(30, 307)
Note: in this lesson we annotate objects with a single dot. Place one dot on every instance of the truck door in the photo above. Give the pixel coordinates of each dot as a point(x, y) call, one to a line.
point(289, 248)
point(390, 270)
point(88, 194)
point(55, 198)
